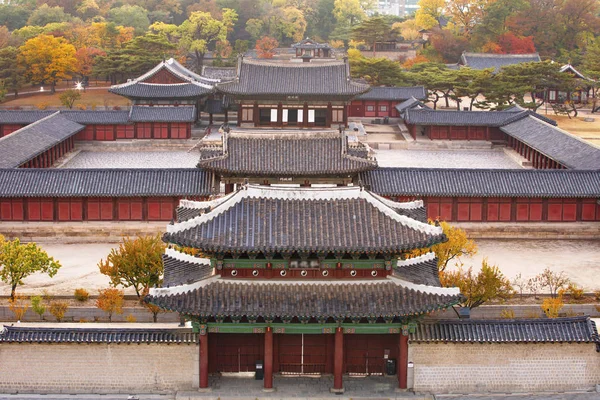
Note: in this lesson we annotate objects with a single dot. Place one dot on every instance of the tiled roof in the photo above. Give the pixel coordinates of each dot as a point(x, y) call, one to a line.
point(573, 330)
point(555, 143)
point(268, 219)
point(28, 142)
point(430, 117)
point(310, 44)
point(222, 73)
point(160, 91)
point(394, 93)
point(571, 69)
point(421, 270)
point(22, 117)
point(97, 117)
point(388, 298)
point(163, 114)
point(497, 61)
point(301, 79)
point(104, 182)
point(213, 106)
point(409, 104)
point(22, 334)
point(287, 154)
point(182, 269)
point(484, 183)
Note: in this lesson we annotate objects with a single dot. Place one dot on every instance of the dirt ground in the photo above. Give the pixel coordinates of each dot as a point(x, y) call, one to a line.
point(90, 98)
point(589, 131)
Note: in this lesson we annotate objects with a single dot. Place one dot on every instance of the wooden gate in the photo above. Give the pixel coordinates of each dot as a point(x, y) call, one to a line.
point(304, 354)
point(231, 352)
point(364, 354)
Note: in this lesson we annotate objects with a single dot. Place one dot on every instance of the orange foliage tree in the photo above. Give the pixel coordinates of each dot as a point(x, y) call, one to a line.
point(265, 47)
point(111, 301)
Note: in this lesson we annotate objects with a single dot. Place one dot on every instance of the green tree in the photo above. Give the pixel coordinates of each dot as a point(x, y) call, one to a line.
point(471, 83)
point(45, 15)
point(495, 21)
point(69, 97)
point(13, 16)
point(200, 32)
point(591, 67)
point(133, 16)
point(478, 288)
point(137, 263)
point(436, 78)
point(377, 71)
point(12, 74)
point(19, 260)
point(47, 59)
point(371, 31)
point(37, 305)
point(347, 13)
point(88, 9)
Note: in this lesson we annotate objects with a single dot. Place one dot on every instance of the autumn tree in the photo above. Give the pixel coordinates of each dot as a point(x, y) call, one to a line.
point(448, 44)
point(47, 59)
point(429, 13)
point(137, 263)
point(465, 14)
point(19, 260)
point(110, 300)
point(347, 13)
point(458, 245)
point(265, 47)
point(86, 58)
point(69, 97)
point(479, 287)
point(201, 31)
point(554, 281)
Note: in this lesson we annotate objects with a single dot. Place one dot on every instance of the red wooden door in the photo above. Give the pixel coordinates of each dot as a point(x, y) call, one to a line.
point(365, 354)
point(231, 352)
point(305, 354)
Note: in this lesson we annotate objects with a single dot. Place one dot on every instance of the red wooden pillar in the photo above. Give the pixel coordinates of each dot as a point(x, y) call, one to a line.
point(228, 188)
point(403, 362)
point(268, 378)
point(338, 361)
point(203, 338)
point(279, 114)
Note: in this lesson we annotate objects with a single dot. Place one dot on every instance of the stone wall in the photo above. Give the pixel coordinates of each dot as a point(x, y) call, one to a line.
point(97, 368)
point(484, 367)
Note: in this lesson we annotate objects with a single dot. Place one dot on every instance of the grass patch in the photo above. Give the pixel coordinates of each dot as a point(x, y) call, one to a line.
point(90, 98)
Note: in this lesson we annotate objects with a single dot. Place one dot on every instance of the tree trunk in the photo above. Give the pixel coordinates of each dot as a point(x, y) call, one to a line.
point(471, 104)
point(53, 87)
point(155, 316)
point(13, 291)
point(199, 61)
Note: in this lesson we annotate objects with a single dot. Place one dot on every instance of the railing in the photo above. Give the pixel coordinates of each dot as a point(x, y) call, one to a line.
point(302, 369)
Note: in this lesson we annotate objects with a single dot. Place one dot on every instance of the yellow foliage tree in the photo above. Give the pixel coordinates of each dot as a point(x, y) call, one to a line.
point(477, 288)
point(457, 246)
point(47, 59)
point(111, 301)
point(429, 13)
point(552, 306)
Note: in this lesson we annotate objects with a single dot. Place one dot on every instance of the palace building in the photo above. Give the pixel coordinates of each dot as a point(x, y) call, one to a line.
point(303, 95)
point(307, 280)
point(288, 157)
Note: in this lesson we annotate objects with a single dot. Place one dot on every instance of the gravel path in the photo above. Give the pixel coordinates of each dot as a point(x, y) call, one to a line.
point(133, 159)
point(445, 159)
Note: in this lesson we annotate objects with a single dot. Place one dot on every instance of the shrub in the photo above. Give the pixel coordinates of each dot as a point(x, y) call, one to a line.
point(131, 318)
point(18, 306)
point(507, 313)
point(576, 292)
point(37, 305)
point(42, 105)
point(80, 106)
point(552, 306)
point(58, 308)
point(81, 295)
point(597, 295)
point(117, 108)
point(110, 300)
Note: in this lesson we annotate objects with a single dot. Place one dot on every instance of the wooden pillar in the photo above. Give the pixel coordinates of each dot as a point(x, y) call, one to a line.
point(338, 361)
point(305, 116)
point(210, 119)
point(228, 188)
point(239, 116)
point(268, 378)
point(328, 115)
point(226, 116)
point(255, 114)
point(203, 339)
point(403, 362)
point(279, 114)
point(346, 115)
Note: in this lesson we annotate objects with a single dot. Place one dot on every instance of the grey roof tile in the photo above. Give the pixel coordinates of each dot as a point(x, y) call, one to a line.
point(178, 272)
point(140, 90)
point(409, 104)
point(385, 299)
point(330, 220)
point(97, 117)
point(17, 334)
point(421, 273)
point(428, 117)
point(222, 73)
point(163, 114)
point(302, 79)
point(104, 182)
point(555, 143)
point(573, 330)
point(496, 61)
point(301, 154)
point(394, 93)
point(482, 183)
point(22, 117)
point(34, 139)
